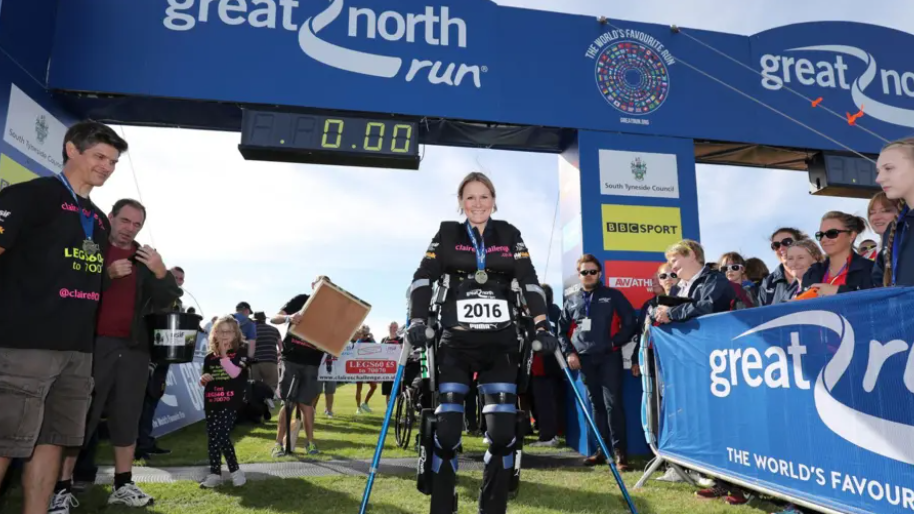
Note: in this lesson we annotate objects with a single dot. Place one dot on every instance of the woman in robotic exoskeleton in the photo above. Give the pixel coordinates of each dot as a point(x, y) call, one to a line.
point(476, 262)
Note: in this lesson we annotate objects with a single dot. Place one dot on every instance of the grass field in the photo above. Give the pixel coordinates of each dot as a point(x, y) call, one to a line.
point(556, 491)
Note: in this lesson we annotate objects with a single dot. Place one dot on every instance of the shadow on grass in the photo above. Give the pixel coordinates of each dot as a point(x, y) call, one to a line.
point(291, 495)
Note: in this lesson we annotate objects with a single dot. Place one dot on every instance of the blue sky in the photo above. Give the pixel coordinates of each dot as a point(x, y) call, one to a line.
point(259, 232)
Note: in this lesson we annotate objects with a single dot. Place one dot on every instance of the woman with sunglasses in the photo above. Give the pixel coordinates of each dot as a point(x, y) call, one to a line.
point(776, 288)
point(895, 173)
point(881, 212)
point(733, 265)
point(843, 270)
point(476, 261)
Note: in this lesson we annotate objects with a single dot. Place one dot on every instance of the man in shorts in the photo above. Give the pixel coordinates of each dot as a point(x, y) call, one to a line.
point(137, 284)
point(299, 361)
point(52, 246)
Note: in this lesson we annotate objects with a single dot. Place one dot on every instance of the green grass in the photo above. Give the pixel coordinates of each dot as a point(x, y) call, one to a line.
point(569, 491)
point(555, 491)
point(346, 436)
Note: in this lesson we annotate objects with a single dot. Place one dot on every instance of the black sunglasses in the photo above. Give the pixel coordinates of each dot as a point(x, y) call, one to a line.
point(866, 248)
point(831, 234)
point(732, 267)
point(786, 243)
point(589, 272)
point(663, 276)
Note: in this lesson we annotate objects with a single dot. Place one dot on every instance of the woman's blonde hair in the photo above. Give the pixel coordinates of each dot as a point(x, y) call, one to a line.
point(811, 247)
point(225, 320)
point(907, 145)
point(476, 176)
point(685, 248)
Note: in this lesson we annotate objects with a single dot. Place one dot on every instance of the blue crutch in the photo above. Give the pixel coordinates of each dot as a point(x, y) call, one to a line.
point(401, 367)
point(537, 346)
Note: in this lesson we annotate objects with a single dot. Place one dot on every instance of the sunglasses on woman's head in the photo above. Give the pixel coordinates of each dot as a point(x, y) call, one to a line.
point(831, 234)
point(732, 267)
point(786, 243)
point(663, 276)
point(586, 272)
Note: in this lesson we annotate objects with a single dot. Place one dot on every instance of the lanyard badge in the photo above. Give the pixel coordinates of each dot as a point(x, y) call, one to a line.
point(89, 246)
point(480, 247)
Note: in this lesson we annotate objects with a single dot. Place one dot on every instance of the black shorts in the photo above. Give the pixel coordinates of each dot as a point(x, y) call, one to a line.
point(298, 382)
point(494, 355)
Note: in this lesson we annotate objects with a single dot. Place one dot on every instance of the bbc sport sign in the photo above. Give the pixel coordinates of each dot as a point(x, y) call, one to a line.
point(812, 399)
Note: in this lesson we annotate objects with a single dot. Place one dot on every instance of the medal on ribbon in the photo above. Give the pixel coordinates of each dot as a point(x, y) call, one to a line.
point(480, 246)
point(85, 219)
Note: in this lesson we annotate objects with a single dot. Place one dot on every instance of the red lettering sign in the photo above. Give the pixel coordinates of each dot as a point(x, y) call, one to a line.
point(368, 366)
point(634, 279)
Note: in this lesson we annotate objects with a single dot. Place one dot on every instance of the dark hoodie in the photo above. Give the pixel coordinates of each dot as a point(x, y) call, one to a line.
point(711, 292)
point(775, 288)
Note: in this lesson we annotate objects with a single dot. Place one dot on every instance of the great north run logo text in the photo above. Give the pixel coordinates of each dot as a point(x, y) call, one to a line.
point(779, 70)
point(434, 27)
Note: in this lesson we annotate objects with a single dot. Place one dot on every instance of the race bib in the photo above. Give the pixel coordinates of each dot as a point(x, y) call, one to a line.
point(482, 310)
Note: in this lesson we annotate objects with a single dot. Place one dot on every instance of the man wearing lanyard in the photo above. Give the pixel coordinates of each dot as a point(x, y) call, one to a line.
point(595, 323)
point(52, 243)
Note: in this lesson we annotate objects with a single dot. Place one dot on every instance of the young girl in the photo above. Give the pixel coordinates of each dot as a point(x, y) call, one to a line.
point(224, 377)
point(895, 173)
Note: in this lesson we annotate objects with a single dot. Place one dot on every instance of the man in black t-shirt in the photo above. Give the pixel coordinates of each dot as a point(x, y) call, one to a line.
point(52, 242)
point(299, 364)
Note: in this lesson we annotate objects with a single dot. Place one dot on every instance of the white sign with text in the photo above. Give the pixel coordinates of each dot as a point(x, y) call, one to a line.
point(32, 130)
point(638, 174)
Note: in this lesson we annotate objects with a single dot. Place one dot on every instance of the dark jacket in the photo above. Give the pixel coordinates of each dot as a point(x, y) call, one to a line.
point(152, 295)
point(859, 274)
point(775, 288)
point(711, 292)
point(904, 275)
point(612, 322)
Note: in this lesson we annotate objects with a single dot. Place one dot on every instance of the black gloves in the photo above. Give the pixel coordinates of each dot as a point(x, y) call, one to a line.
point(545, 342)
point(418, 334)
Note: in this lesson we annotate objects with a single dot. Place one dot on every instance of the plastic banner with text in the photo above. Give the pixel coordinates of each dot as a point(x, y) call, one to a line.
point(361, 362)
point(813, 399)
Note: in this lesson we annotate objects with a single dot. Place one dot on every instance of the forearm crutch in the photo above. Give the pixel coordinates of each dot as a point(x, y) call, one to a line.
point(537, 346)
point(401, 367)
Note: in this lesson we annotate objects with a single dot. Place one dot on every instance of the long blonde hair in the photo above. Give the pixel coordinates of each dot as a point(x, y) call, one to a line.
point(908, 145)
point(236, 340)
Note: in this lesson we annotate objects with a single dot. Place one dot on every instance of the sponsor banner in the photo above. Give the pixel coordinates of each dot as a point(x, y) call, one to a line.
point(639, 228)
point(362, 362)
point(32, 130)
point(11, 172)
point(633, 278)
point(182, 403)
point(639, 174)
point(811, 399)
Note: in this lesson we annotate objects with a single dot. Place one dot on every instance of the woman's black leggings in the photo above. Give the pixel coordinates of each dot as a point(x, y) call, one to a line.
point(219, 425)
point(494, 356)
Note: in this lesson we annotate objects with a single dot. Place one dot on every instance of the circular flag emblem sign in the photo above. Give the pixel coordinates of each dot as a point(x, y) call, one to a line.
point(632, 77)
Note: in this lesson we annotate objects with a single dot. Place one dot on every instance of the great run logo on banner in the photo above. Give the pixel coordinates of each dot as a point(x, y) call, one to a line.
point(836, 374)
point(876, 80)
point(434, 27)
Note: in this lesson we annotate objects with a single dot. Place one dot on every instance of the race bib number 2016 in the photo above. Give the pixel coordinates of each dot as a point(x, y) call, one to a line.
point(482, 311)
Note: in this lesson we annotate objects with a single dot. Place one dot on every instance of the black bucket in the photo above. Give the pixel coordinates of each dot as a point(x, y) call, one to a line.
point(172, 336)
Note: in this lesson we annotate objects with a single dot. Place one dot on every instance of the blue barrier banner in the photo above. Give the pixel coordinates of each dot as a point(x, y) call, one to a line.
point(812, 399)
point(182, 403)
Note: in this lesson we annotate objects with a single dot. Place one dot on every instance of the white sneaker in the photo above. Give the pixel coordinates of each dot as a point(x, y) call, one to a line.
point(238, 478)
point(130, 495)
point(61, 503)
point(551, 443)
point(358, 411)
point(670, 476)
point(366, 408)
point(211, 481)
point(330, 415)
point(326, 412)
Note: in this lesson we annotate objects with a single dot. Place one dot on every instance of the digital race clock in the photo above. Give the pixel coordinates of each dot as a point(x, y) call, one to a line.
point(334, 140)
point(839, 174)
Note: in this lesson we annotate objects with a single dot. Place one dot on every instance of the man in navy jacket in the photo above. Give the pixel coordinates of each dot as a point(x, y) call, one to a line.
point(596, 322)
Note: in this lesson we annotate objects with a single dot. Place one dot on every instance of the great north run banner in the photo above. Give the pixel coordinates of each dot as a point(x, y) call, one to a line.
point(812, 399)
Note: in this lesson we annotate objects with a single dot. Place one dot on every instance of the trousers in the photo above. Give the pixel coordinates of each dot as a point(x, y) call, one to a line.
point(219, 425)
point(603, 378)
point(495, 357)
